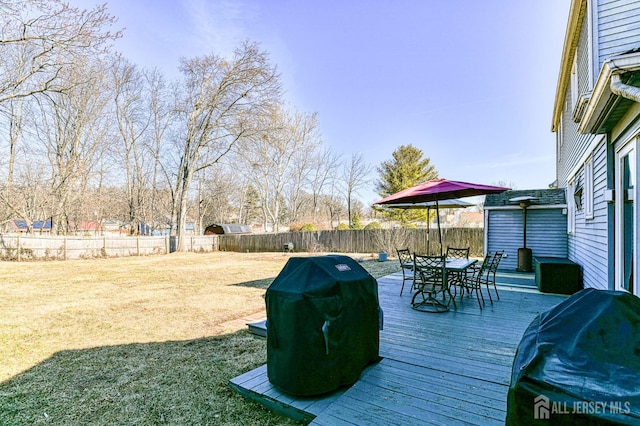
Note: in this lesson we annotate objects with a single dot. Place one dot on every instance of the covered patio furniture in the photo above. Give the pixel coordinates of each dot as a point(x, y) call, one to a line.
point(578, 363)
point(432, 292)
point(406, 263)
point(323, 326)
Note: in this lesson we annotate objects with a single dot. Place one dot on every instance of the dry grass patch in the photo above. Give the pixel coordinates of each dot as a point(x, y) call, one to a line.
point(52, 306)
point(133, 340)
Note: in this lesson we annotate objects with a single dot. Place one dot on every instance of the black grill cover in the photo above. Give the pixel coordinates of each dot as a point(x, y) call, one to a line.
point(579, 363)
point(323, 320)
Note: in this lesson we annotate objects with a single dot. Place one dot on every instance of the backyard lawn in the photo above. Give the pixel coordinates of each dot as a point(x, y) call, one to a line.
point(135, 340)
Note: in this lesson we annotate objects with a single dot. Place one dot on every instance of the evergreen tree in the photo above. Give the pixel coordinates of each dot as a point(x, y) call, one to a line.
point(356, 223)
point(407, 168)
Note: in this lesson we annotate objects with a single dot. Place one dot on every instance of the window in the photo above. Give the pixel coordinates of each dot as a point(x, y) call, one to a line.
point(588, 189)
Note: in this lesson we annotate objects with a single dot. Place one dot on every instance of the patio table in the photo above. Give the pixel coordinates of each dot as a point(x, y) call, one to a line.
point(451, 265)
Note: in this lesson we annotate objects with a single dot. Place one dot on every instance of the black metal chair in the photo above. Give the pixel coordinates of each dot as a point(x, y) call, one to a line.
point(429, 281)
point(474, 279)
point(406, 263)
point(497, 257)
point(457, 279)
point(488, 275)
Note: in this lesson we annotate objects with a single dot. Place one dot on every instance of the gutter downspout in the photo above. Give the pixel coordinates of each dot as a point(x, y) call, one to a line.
point(624, 90)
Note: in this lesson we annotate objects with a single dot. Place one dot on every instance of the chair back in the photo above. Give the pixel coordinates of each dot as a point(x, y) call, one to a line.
point(404, 255)
point(481, 270)
point(429, 268)
point(496, 261)
point(457, 253)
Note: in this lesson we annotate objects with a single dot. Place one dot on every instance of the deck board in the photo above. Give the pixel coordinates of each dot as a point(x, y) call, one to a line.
point(452, 368)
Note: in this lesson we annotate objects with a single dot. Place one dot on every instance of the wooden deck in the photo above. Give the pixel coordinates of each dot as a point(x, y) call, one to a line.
point(451, 368)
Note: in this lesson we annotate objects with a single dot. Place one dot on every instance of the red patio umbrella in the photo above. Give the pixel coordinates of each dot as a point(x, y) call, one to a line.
point(439, 189)
point(452, 203)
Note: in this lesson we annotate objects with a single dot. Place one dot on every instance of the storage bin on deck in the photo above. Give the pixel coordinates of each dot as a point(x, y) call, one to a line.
point(557, 275)
point(323, 321)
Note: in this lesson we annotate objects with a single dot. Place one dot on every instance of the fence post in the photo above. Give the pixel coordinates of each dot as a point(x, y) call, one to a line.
point(18, 248)
point(104, 246)
point(138, 245)
point(166, 244)
point(64, 248)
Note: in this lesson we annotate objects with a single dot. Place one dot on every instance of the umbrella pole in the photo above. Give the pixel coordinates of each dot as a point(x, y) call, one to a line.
point(439, 230)
point(428, 228)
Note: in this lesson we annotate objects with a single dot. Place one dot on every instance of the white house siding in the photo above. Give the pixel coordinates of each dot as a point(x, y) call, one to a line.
point(588, 246)
point(619, 27)
point(546, 233)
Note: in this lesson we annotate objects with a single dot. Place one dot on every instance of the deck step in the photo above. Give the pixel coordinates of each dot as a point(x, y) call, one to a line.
point(258, 328)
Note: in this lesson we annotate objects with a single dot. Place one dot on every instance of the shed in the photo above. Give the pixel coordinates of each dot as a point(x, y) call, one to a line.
point(546, 220)
point(227, 229)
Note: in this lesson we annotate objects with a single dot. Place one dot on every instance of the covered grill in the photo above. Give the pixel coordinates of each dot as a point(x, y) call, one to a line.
point(579, 363)
point(323, 321)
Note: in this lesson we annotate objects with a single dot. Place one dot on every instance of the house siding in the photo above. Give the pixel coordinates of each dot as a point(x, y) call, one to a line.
point(618, 27)
point(572, 143)
point(588, 246)
point(609, 28)
point(546, 233)
point(582, 61)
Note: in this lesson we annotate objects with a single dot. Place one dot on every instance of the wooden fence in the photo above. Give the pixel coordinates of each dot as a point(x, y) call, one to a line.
point(358, 241)
point(29, 247)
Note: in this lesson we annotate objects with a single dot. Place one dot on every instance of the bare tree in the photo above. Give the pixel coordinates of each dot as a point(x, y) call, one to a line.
point(280, 162)
point(355, 175)
point(161, 104)
point(221, 100)
point(74, 130)
point(323, 171)
point(307, 141)
point(40, 38)
point(14, 112)
point(133, 118)
point(40, 41)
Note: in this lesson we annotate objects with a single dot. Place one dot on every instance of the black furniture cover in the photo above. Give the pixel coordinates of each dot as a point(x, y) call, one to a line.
point(579, 363)
point(323, 320)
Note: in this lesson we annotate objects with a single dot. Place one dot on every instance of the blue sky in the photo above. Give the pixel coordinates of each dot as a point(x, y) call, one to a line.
point(470, 83)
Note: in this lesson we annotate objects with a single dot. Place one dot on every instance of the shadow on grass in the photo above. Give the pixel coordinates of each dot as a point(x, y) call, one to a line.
point(263, 283)
point(180, 382)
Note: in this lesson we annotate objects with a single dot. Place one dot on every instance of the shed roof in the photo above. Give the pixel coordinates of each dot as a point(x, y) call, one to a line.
point(228, 228)
point(37, 225)
point(544, 197)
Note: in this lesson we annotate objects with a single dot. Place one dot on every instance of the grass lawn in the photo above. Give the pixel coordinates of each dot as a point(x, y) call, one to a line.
point(135, 340)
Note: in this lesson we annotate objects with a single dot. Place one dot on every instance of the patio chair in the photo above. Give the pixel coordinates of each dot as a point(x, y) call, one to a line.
point(474, 280)
point(457, 279)
point(488, 276)
point(497, 257)
point(429, 281)
point(406, 263)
